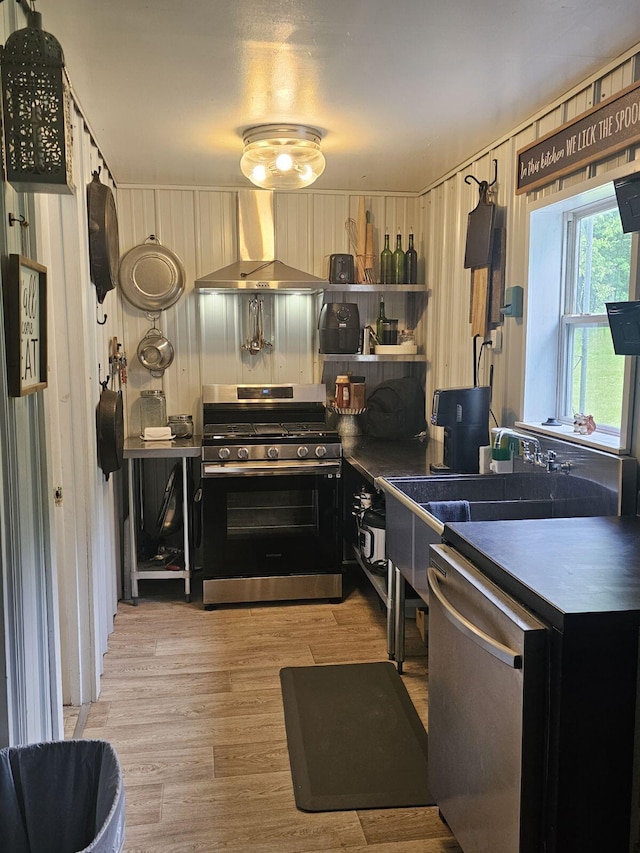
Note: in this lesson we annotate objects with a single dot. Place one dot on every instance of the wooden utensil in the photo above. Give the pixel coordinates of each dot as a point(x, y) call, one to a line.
point(479, 300)
point(362, 240)
point(496, 289)
point(368, 253)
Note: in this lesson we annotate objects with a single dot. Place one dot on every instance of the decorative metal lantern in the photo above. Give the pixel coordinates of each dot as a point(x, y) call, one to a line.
point(36, 111)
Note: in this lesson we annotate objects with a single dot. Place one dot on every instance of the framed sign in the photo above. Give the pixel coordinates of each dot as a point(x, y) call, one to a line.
point(26, 325)
point(608, 127)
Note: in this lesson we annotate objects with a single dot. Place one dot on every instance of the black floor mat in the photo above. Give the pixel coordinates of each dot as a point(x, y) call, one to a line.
point(355, 739)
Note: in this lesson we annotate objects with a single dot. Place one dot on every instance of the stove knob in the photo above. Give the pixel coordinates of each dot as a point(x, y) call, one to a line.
point(272, 453)
point(243, 453)
point(321, 450)
point(224, 453)
point(303, 452)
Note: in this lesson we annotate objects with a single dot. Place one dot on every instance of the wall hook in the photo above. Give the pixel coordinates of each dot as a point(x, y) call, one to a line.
point(486, 185)
point(19, 219)
point(104, 317)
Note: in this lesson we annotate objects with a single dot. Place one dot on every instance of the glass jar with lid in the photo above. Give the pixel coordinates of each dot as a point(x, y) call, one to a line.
point(407, 336)
point(153, 409)
point(181, 425)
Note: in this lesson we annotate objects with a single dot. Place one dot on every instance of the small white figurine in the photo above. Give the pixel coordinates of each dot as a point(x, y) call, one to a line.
point(583, 424)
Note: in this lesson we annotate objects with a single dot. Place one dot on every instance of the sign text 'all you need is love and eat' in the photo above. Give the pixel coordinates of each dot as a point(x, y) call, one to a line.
point(611, 126)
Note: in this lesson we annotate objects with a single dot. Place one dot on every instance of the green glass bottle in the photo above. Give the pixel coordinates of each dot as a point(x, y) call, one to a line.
point(398, 262)
point(386, 262)
point(411, 262)
point(381, 319)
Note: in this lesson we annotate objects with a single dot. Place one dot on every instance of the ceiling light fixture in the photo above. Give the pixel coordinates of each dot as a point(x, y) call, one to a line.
point(282, 156)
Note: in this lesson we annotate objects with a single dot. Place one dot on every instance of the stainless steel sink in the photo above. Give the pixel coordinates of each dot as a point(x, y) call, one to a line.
point(564, 495)
point(598, 483)
point(410, 528)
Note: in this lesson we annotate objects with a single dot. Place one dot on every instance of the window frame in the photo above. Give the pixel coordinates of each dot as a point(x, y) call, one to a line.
point(571, 319)
point(544, 304)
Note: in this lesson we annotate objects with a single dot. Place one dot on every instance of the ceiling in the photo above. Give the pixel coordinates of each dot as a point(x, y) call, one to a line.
point(402, 91)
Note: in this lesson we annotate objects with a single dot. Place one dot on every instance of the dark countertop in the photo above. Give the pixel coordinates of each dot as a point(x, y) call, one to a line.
point(373, 457)
point(567, 570)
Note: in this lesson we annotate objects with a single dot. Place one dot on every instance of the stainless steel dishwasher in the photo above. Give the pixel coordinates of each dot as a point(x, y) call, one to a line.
point(487, 709)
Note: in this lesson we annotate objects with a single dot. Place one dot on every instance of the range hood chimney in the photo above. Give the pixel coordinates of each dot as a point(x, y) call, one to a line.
point(256, 270)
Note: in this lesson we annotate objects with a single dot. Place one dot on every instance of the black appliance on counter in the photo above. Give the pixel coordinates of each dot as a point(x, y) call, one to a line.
point(342, 269)
point(270, 494)
point(339, 326)
point(464, 414)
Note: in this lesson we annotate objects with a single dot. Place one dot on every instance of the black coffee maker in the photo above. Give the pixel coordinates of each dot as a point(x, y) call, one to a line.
point(464, 414)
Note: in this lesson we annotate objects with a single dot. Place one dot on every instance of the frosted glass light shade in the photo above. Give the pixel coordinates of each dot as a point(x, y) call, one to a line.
point(282, 157)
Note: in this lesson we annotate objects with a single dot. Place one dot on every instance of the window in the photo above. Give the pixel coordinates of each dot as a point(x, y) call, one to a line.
point(579, 259)
point(597, 271)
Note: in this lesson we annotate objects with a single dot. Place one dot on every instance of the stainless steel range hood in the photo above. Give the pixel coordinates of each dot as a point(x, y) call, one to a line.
point(256, 270)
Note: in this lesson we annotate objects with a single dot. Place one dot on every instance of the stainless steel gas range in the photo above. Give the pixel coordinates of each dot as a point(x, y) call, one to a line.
point(270, 494)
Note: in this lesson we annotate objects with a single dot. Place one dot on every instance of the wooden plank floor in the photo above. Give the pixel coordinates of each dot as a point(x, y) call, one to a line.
point(191, 701)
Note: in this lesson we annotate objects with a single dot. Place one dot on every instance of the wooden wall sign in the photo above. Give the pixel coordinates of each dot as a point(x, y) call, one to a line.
point(26, 326)
point(611, 126)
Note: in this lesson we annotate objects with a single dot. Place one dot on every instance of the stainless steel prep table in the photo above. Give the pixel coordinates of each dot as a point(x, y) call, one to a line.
point(178, 448)
point(374, 459)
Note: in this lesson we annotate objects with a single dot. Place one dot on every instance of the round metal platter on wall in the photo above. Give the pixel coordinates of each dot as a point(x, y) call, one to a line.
point(152, 277)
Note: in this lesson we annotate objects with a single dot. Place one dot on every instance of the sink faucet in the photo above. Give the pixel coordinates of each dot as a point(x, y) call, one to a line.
point(532, 450)
point(525, 440)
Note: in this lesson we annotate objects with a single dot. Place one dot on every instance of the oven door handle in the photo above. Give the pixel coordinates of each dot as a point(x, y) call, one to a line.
point(283, 467)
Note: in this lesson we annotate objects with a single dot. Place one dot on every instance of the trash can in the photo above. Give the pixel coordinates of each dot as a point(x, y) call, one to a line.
point(61, 797)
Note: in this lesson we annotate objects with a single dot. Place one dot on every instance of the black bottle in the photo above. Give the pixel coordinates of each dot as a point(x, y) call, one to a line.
point(411, 262)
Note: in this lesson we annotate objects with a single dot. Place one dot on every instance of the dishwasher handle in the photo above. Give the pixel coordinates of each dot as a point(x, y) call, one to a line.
point(493, 647)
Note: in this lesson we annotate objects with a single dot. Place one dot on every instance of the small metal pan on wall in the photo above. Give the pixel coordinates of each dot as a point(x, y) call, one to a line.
point(110, 430)
point(109, 415)
point(103, 238)
point(151, 276)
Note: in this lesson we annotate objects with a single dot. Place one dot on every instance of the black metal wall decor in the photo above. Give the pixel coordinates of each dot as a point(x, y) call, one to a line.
point(36, 109)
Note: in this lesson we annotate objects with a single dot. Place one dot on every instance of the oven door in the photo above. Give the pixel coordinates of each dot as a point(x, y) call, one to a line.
point(267, 538)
